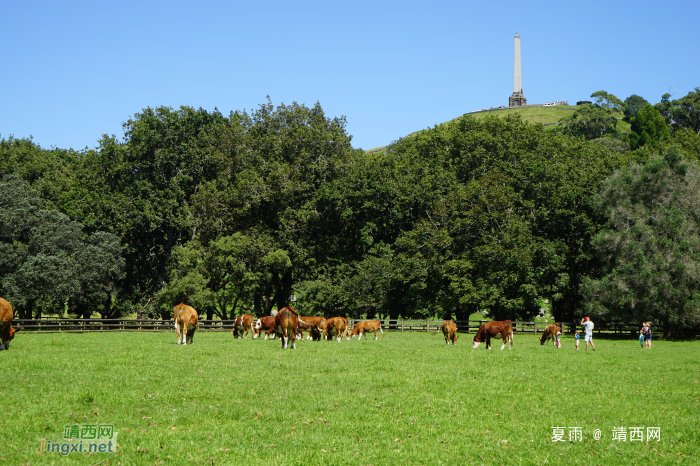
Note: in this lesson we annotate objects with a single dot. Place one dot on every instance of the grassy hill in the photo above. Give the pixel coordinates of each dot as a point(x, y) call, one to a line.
point(543, 115)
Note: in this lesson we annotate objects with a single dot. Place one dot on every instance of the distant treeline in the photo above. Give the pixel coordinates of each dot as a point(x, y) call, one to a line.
point(251, 211)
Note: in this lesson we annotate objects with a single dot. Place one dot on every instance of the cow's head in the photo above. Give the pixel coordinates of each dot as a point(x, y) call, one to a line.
point(8, 335)
point(476, 340)
point(456, 336)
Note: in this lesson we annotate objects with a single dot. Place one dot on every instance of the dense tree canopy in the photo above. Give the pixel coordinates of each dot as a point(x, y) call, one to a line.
point(255, 210)
point(650, 246)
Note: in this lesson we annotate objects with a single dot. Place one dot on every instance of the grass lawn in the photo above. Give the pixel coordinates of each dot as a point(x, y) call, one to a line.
point(405, 400)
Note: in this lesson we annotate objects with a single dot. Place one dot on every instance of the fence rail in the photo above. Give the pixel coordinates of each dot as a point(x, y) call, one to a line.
point(55, 325)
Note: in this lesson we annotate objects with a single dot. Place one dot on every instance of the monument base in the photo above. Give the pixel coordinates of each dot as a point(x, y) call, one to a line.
point(517, 100)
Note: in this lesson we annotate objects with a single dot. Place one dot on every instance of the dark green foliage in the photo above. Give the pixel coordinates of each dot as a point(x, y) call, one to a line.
point(648, 128)
point(46, 260)
point(608, 101)
point(650, 246)
point(633, 104)
point(686, 112)
point(589, 122)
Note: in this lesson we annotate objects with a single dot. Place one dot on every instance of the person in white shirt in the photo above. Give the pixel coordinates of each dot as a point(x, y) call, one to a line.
point(588, 327)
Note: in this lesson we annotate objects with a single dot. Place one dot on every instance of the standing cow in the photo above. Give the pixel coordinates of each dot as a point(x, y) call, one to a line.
point(7, 333)
point(265, 324)
point(367, 326)
point(287, 325)
point(550, 332)
point(449, 330)
point(491, 329)
point(337, 326)
point(314, 325)
point(244, 322)
point(185, 323)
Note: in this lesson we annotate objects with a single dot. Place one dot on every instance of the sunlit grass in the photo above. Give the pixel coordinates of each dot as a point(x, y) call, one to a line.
point(408, 399)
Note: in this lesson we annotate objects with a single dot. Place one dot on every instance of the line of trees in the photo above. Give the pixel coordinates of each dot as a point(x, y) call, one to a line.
point(246, 212)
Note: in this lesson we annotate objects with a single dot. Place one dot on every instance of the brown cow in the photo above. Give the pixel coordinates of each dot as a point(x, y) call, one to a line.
point(336, 326)
point(244, 322)
point(7, 333)
point(449, 329)
point(491, 329)
point(550, 332)
point(314, 325)
point(265, 324)
point(287, 325)
point(185, 323)
point(367, 326)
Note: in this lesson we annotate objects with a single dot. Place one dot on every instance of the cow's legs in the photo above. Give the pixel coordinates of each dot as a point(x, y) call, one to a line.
point(184, 334)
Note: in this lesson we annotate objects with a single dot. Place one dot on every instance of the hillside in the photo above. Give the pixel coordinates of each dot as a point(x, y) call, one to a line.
point(547, 116)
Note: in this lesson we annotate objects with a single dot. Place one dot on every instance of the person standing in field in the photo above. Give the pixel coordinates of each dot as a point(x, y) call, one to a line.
point(558, 339)
point(578, 336)
point(647, 335)
point(641, 334)
point(588, 328)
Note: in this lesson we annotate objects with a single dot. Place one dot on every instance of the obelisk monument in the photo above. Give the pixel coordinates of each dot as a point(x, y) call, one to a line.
point(517, 99)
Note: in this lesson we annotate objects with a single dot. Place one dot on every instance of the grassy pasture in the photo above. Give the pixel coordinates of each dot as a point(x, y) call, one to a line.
point(408, 399)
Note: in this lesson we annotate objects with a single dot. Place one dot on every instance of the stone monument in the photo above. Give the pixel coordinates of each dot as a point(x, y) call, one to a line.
point(517, 99)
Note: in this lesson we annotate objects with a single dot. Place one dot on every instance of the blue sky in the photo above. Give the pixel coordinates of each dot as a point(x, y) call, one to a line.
point(73, 71)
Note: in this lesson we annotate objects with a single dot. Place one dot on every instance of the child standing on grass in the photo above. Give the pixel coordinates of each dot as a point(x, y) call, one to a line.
point(558, 340)
point(578, 335)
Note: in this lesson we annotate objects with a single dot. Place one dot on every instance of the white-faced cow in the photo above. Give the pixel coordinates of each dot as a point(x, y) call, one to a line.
point(336, 326)
point(265, 324)
point(367, 326)
point(287, 325)
point(314, 325)
point(7, 333)
point(489, 330)
point(449, 330)
point(550, 332)
point(244, 323)
point(185, 323)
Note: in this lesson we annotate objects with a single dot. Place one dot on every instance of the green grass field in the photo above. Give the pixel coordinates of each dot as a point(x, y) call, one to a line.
point(408, 399)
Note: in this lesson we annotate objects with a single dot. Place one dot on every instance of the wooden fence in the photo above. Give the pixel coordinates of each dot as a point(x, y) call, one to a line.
point(54, 325)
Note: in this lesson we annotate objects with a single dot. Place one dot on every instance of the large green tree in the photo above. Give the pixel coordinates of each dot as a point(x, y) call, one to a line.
point(650, 246)
point(46, 259)
point(648, 129)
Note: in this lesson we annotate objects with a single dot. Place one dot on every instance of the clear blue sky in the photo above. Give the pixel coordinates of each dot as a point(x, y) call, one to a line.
point(73, 71)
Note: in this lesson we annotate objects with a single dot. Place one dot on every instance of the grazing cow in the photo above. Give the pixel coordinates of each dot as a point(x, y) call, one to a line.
point(449, 329)
point(287, 325)
point(265, 324)
point(491, 329)
point(185, 323)
point(336, 326)
point(367, 326)
point(314, 325)
point(7, 333)
point(244, 322)
point(550, 332)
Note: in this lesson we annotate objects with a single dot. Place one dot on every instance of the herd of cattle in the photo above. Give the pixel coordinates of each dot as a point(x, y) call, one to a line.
point(288, 325)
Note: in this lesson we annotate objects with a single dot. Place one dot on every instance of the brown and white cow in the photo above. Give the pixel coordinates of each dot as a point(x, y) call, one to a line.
point(244, 322)
point(186, 320)
point(449, 330)
point(265, 324)
point(489, 330)
point(550, 332)
point(7, 333)
point(336, 326)
point(287, 325)
point(314, 325)
point(367, 326)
